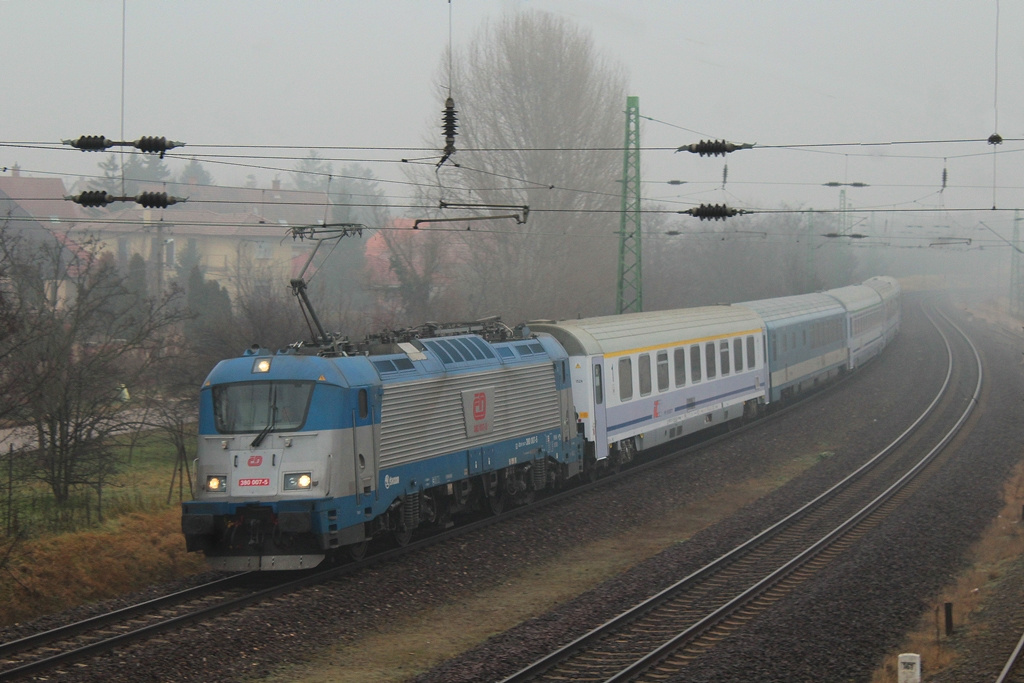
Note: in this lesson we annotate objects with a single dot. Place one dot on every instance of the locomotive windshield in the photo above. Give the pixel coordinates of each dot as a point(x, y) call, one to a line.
point(261, 406)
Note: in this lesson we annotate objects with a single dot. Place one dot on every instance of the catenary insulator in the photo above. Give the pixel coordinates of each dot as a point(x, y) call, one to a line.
point(450, 126)
point(91, 143)
point(716, 212)
point(155, 200)
point(713, 147)
point(152, 145)
point(93, 198)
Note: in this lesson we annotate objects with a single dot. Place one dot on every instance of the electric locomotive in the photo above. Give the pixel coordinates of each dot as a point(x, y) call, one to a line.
point(301, 456)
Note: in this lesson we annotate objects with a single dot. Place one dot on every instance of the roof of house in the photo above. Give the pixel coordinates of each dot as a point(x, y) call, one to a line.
point(41, 198)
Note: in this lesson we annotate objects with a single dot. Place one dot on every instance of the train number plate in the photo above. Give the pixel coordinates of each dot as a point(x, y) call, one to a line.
point(254, 482)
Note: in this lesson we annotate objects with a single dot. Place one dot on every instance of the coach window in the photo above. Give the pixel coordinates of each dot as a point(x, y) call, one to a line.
point(644, 369)
point(679, 358)
point(598, 386)
point(723, 352)
point(737, 355)
point(625, 379)
point(750, 352)
point(709, 360)
point(695, 375)
point(662, 370)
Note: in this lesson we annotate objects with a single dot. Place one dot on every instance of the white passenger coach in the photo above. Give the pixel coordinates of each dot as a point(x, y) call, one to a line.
point(642, 379)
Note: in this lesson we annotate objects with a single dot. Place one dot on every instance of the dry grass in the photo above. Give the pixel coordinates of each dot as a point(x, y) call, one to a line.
point(1002, 543)
point(139, 544)
point(428, 638)
point(57, 572)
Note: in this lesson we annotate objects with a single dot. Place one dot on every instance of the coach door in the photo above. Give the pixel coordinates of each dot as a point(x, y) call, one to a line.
point(597, 380)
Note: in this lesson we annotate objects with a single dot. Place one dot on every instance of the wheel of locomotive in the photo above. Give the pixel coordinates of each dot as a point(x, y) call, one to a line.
point(528, 497)
point(494, 493)
point(357, 551)
point(402, 536)
point(496, 503)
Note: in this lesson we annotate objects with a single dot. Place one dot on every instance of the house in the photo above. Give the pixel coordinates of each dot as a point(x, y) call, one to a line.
point(229, 232)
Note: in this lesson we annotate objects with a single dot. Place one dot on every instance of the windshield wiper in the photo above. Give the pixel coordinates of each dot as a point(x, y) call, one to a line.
point(270, 425)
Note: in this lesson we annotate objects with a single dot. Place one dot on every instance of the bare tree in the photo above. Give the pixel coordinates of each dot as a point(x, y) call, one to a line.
point(747, 258)
point(91, 338)
point(541, 124)
point(265, 311)
point(411, 273)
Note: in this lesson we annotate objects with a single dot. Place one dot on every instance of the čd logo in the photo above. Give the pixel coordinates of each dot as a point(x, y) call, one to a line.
point(479, 406)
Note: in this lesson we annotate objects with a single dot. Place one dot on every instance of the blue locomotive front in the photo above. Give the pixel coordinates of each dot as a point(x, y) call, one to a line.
point(276, 466)
point(300, 456)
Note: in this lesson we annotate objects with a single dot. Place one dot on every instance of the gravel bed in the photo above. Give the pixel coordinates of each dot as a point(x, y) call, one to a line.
point(872, 407)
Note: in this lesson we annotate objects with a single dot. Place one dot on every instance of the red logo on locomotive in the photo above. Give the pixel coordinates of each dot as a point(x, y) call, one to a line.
point(479, 406)
point(255, 460)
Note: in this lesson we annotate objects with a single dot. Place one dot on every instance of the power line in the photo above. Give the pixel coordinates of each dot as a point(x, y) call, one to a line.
point(388, 148)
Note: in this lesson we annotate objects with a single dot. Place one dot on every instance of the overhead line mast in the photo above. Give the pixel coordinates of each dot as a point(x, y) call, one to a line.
point(1016, 271)
point(630, 295)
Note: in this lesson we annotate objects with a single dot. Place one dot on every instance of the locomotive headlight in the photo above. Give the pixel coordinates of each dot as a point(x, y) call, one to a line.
point(261, 365)
point(297, 481)
point(216, 483)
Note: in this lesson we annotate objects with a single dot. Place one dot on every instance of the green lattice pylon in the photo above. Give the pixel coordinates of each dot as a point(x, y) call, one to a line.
point(630, 296)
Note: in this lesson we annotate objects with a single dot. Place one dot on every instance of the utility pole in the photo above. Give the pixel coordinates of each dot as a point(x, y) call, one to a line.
point(630, 296)
point(1016, 274)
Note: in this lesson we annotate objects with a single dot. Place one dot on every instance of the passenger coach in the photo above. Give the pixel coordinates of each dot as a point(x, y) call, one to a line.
point(865, 322)
point(888, 289)
point(642, 379)
point(806, 341)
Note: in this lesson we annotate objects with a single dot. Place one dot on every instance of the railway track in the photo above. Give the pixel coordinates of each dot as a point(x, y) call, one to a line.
point(1012, 670)
point(658, 638)
point(57, 647)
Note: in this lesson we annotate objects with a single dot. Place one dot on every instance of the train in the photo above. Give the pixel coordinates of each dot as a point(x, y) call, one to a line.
point(306, 455)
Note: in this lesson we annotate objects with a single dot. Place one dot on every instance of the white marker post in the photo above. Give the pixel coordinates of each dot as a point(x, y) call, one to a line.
point(909, 668)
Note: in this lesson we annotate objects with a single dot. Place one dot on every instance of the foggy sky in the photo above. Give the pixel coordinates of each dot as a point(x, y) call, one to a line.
point(360, 73)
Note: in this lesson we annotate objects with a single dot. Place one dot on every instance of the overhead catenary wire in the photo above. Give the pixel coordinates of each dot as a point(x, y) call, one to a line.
point(527, 182)
point(46, 144)
point(863, 241)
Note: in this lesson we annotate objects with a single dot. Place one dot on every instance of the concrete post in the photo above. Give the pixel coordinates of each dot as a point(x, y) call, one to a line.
point(909, 668)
